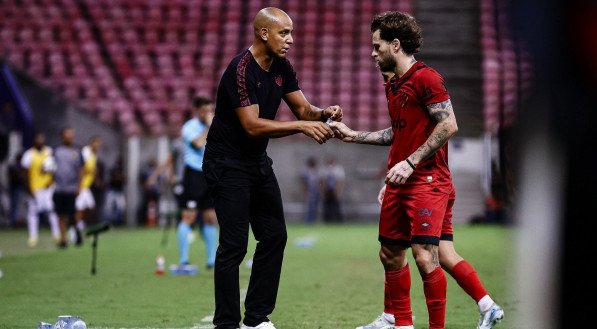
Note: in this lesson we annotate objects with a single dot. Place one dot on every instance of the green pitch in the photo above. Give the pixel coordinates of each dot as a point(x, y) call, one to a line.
point(335, 283)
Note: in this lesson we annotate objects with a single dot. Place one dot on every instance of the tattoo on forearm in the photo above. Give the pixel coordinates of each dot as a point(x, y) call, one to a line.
point(443, 114)
point(381, 137)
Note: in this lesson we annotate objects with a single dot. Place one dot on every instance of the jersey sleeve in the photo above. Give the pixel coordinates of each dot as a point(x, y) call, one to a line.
point(289, 77)
point(241, 85)
point(26, 159)
point(432, 87)
point(85, 153)
point(191, 131)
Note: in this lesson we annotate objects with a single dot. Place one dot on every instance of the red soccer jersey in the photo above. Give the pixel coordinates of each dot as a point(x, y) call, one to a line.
point(408, 98)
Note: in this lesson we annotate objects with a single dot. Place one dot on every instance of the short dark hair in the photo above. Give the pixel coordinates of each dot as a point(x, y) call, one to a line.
point(64, 129)
point(398, 25)
point(199, 101)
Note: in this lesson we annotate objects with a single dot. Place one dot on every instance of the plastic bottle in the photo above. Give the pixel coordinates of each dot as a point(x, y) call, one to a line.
point(159, 265)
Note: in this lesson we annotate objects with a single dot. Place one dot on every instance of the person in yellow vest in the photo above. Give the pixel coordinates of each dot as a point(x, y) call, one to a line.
point(40, 166)
point(85, 203)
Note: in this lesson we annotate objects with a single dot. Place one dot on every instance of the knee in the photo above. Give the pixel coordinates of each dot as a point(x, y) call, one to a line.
point(390, 260)
point(232, 252)
point(425, 261)
point(278, 238)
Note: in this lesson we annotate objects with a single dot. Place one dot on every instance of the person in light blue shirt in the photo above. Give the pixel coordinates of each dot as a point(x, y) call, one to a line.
point(195, 196)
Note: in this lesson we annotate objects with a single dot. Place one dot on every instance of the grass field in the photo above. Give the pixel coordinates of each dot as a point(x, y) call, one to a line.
point(336, 283)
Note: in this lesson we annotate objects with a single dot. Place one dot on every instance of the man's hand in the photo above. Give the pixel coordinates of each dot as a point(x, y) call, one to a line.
point(398, 174)
point(342, 131)
point(319, 131)
point(381, 194)
point(333, 112)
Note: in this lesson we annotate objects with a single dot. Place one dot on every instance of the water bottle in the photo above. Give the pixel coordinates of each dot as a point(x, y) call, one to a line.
point(65, 321)
point(159, 265)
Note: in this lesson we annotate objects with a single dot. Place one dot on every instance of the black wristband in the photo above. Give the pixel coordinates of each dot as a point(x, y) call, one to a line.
point(410, 164)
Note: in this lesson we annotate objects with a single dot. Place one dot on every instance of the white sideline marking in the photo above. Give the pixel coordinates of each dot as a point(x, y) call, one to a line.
point(208, 318)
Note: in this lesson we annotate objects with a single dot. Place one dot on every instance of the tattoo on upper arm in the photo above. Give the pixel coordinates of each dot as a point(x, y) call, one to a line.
point(440, 111)
point(442, 132)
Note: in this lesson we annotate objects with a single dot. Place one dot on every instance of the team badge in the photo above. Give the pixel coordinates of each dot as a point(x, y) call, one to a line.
point(279, 80)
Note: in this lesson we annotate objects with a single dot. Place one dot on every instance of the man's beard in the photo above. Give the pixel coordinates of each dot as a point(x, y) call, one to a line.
point(388, 64)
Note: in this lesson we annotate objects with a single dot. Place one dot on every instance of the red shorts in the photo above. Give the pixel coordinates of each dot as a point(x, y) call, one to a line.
point(420, 215)
point(447, 229)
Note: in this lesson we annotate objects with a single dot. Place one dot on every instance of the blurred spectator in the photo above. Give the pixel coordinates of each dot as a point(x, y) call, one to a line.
point(149, 179)
point(98, 188)
point(40, 166)
point(16, 187)
point(85, 203)
point(494, 203)
point(311, 181)
point(69, 165)
point(115, 201)
point(332, 178)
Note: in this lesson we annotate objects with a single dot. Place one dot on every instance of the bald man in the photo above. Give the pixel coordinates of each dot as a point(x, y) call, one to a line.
point(239, 172)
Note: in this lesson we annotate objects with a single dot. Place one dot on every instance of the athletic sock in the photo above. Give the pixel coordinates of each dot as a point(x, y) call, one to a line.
point(33, 225)
point(467, 278)
point(434, 286)
point(398, 282)
point(183, 232)
point(485, 303)
point(54, 225)
point(81, 225)
point(210, 236)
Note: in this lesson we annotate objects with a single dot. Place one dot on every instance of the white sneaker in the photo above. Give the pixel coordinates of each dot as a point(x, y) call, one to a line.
point(32, 242)
point(380, 323)
point(262, 325)
point(491, 317)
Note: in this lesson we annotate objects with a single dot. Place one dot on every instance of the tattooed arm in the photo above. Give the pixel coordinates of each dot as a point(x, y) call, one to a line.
point(383, 137)
point(446, 127)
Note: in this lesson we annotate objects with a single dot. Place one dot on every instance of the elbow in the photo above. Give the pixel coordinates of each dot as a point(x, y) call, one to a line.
point(253, 132)
point(454, 129)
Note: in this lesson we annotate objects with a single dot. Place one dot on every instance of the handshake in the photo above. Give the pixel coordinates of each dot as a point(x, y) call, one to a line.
point(323, 131)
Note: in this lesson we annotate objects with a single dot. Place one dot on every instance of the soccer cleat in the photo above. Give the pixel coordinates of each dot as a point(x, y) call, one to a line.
point(405, 327)
point(183, 269)
point(491, 317)
point(380, 323)
point(32, 242)
point(262, 325)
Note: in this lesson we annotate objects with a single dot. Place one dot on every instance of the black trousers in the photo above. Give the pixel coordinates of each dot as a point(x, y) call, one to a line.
point(246, 195)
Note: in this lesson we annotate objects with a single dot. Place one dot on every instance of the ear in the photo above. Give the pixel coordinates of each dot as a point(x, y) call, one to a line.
point(395, 44)
point(263, 33)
